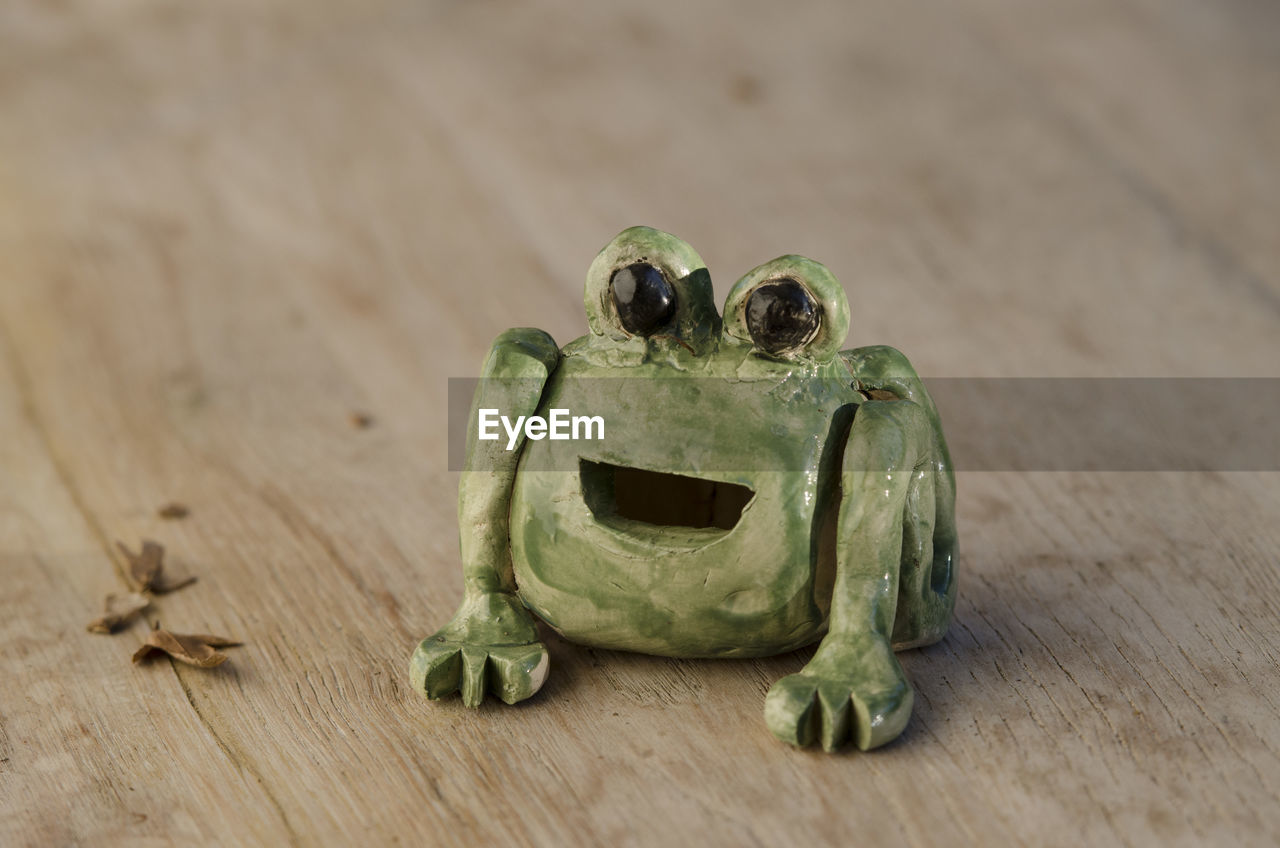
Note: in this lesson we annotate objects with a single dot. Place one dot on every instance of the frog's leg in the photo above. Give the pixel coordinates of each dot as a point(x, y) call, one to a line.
point(491, 642)
point(927, 584)
point(853, 686)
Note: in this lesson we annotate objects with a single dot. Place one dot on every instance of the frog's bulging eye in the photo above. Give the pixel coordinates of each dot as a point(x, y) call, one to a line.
point(788, 309)
point(781, 316)
point(649, 291)
point(643, 298)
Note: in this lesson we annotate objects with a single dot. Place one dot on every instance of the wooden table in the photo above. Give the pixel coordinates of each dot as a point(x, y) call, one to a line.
point(226, 228)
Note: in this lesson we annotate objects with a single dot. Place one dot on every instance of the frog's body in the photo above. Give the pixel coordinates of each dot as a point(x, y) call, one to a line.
point(662, 588)
point(745, 501)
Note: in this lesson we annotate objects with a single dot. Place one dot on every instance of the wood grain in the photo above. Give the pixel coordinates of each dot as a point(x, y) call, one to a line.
point(225, 228)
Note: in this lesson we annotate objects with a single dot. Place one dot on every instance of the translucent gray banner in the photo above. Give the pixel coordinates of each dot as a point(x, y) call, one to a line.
point(999, 424)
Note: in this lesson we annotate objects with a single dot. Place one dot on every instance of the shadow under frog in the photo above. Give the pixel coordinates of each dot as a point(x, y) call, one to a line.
point(759, 490)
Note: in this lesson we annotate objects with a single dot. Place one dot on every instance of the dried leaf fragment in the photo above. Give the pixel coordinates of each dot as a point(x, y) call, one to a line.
point(159, 588)
point(215, 641)
point(192, 648)
point(119, 610)
point(173, 510)
point(144, 567)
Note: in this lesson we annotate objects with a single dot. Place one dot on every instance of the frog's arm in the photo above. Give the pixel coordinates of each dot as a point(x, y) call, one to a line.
point(491, 642)
point(892, 493)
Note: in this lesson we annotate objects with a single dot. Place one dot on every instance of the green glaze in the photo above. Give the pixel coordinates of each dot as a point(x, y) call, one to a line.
point(846, 530)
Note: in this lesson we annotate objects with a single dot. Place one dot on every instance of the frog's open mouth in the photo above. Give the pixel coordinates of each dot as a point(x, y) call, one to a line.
point(620, 495)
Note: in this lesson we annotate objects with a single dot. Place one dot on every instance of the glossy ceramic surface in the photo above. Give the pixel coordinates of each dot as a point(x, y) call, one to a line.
point(757, 490)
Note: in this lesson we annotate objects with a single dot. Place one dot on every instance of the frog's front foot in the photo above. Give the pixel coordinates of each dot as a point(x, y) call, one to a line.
point(853, 687)
point(491, 645)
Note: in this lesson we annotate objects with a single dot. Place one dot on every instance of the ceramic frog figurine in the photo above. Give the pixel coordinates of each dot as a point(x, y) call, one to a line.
point(758, 489)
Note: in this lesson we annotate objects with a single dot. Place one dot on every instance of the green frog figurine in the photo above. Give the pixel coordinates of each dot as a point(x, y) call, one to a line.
point(757, 490)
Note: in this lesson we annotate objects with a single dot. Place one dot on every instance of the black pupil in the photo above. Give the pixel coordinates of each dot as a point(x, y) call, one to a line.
point(643, 297)
point(781, 316)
